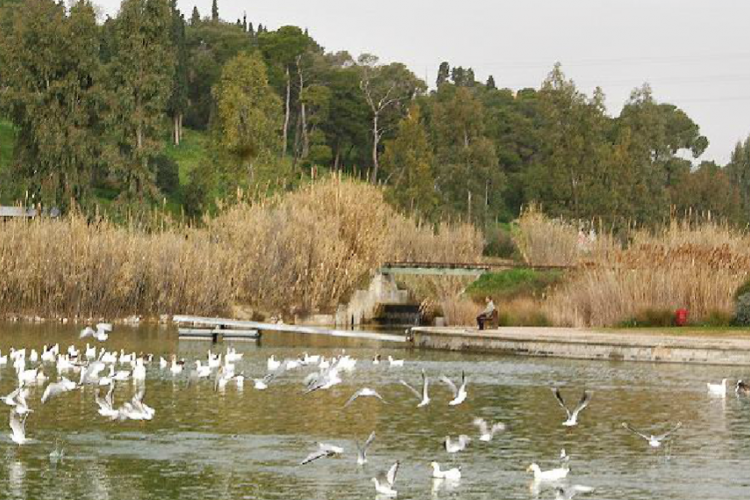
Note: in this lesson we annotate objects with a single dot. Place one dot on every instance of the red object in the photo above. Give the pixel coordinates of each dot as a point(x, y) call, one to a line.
point(681, 317)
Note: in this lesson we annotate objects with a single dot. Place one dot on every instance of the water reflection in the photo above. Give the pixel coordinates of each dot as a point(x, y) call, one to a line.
point(248, 443)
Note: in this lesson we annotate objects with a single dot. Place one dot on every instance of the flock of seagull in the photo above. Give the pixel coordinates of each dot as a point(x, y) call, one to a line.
point(104, 370)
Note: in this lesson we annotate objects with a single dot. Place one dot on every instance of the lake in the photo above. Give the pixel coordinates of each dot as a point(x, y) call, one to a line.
point(247, 444)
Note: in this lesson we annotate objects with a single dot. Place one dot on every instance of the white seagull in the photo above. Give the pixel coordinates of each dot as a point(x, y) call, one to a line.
point(572, 415)
point(453, 474)
point(384, 482)
point(362, 450)
point(458, 445)
point(486, 433)
point(364, 392)
point(324, 450)
point(459, 393)
point(424, 397)
point(101, 333)
point(261, 384)
point(570, 491)
point(653, 441)
point(395, 363)
point(18, 427)
point(546, 476)
point(718, 389)
point(57, 388)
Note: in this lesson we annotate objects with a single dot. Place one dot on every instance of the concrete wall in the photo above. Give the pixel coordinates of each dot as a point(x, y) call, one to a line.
point(363, 304)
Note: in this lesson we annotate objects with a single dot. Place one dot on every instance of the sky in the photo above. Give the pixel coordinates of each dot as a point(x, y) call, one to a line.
point(694, 53)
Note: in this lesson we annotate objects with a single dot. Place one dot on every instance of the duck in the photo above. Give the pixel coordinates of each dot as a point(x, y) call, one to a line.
point(395, 363)
point(742, 389)
point(273, 364)
point(202, 371)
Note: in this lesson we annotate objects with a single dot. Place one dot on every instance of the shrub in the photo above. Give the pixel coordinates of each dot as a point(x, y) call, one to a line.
point(499, 242)
point(167, 174)
point(742, 310)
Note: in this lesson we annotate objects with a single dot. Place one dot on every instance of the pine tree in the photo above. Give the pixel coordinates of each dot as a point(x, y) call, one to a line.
point(140, 85)
point(195, 17)
point(244, 22)
point(250, 29)
point(491, 83)
point(178, 101)
point(443, 73)
point(470, 78)
point(214, 11)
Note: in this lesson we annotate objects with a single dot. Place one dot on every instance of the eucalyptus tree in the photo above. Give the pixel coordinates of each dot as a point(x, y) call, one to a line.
point(141, 75)
point(386, 89)
point(178, 101)
point(51, 91)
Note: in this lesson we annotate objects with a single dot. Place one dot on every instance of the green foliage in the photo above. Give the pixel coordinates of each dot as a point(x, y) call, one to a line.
point(167, 174)
point(742, 310)
point(738, 171)
point(707, 190)
point(7, 141)
point(651, 318)
point(499, 242)
point(512, 283)
point(248, 112)
point(192, 151)
point(198, 192)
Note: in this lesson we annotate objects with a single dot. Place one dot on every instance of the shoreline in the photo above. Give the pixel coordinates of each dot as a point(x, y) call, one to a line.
point(590, 344)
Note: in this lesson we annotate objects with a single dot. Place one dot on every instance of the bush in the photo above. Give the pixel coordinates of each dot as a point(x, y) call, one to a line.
point(513, 283)
point(651, 318)
point(742, 310)
point(499, 242)
point(167, 174)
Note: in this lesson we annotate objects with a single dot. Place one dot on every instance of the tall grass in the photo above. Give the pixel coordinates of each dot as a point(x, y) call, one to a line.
point(301, 252)
point(686, 264)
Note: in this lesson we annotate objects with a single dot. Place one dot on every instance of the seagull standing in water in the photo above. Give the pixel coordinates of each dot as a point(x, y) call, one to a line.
point(653, 441)
point(384, 482)
point(362, 450)
point(572, 415)
point(453, 474)
point(459, 393)
point(424, 398)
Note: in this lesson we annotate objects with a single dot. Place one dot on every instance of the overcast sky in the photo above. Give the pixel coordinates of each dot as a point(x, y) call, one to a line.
point(694, 53)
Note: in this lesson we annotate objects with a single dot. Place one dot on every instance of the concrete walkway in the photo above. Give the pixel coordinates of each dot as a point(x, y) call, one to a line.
point(626, 345)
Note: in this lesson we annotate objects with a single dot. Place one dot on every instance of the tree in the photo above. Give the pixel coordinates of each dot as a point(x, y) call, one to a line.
point(195, 17)
point(140, 85)
point(178, 101)
point(443, 73)
point(51, 89)
point(215, 11)
point(738, 171)
point(248, 118)
point(386, 88)
point(708, 191)
point(491, 83)
point(282, 49)
point(408, 164)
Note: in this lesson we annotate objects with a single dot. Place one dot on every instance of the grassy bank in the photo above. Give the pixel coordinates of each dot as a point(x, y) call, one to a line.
point(192, 151)
point(301, 252)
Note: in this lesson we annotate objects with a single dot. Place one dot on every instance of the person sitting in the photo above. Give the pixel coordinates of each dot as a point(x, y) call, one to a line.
point(488, 313)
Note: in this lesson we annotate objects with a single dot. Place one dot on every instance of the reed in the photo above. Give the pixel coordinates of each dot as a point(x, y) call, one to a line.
point(301, 252)
point(696, 265)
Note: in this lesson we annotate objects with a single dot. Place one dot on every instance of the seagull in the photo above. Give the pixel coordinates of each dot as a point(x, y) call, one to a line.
point(718, 389)
point(395, 363)
point(323, 380)
point(364, 392)
point(57, 388)
point(10, 399)
point(106, 405)
point(424, 398)
point(384, 481)
point(261, 384)
point(486, 433)
point(324, 450)
point(455, 446)
point(139, 371)
point(272, 364)
point(653, 441)
point(551, 475)
point(362, 450)
point(57, 454)
point(450, 474)
point(459, 394)
point(571, 491)
point(202, 371)
point(572, 416)
point(742, 389)
point(232, 356)
point(100, 334)
point(18, 427)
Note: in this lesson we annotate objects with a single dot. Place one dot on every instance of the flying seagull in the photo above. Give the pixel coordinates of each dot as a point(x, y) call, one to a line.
point(570, 491)
point(101, 333)
point(424, 397)
point(18, 427)
point(458, 445)
point(486, 433)
point(56, 388)
point(653, 441)
point(364, 392)
point(362, 450)
point(384, 481)
point(459, 393)
point(324, 450)
point(572, 415)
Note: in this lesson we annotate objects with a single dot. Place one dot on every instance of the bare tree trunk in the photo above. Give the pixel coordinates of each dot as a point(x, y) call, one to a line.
point(176, 130)
point(303, 112)
point(337, 159)
point(287, 110)
point(375, 143)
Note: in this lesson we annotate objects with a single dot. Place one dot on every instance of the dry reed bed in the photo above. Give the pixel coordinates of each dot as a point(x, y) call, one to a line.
point(690, 265)
point(301, 252)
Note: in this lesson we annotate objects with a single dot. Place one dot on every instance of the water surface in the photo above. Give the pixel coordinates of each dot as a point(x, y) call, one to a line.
point(247, 444)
